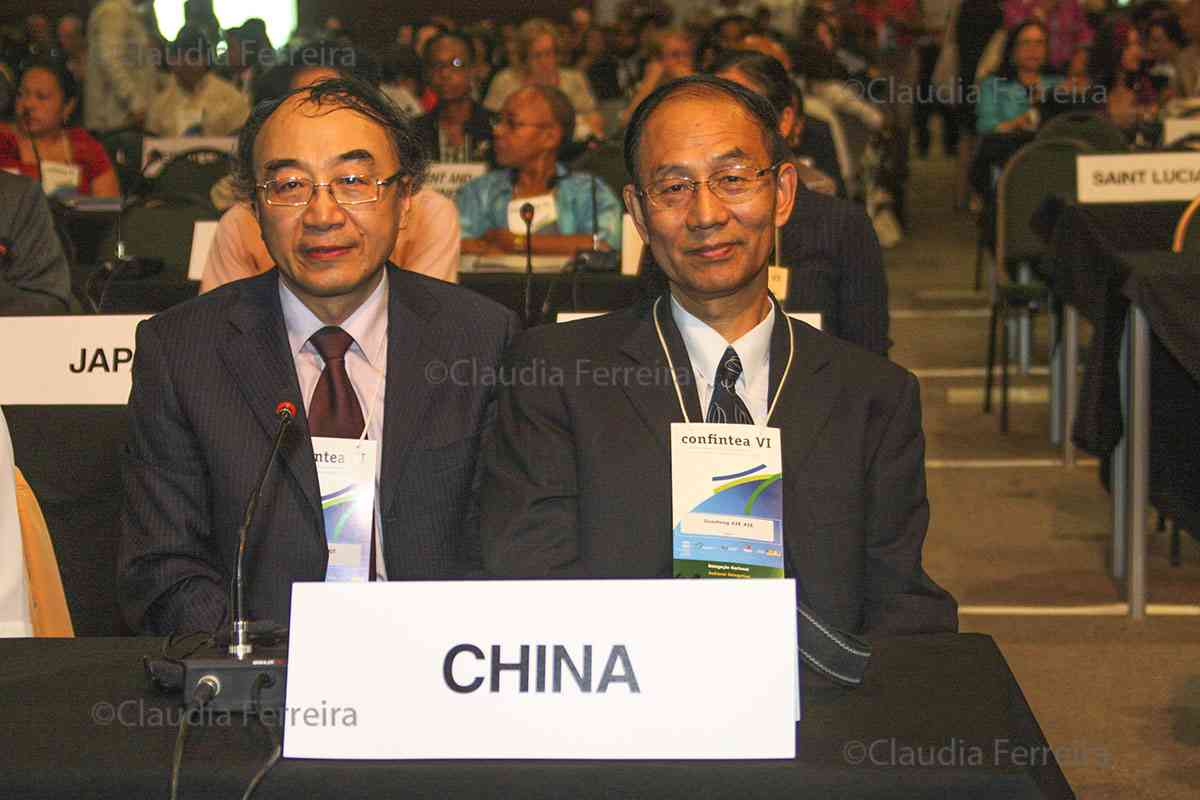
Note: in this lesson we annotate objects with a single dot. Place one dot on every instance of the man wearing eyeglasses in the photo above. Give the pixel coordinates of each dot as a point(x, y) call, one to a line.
point(579, 481)
point(370, 357)
point(572, 210)
point(458, 129)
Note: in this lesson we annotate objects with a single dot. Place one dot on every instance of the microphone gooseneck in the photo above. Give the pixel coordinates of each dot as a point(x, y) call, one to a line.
point(239, 643)
point(527, 218)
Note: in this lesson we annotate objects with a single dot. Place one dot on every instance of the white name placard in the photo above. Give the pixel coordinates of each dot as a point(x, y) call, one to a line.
point(67, 360)
point(575, 316)
point(202, 238)
point(447, 178)
point(543, 669)
point(1138, 178)
point(1176, 128)
point(157, 151)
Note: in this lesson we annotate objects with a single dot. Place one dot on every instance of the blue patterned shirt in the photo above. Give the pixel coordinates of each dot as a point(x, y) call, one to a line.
point(483, 205)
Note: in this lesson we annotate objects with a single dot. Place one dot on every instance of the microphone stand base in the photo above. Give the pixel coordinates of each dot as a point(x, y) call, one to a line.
point(236, 678)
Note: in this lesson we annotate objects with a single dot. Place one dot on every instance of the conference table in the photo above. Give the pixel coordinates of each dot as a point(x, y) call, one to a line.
point(938, 716)
point(1112, 264)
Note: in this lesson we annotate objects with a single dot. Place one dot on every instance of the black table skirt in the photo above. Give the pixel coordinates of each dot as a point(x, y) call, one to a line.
point(947, 694)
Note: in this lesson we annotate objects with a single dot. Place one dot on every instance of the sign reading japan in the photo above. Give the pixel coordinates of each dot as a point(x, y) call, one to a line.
point(543, 669)
point(447, 178)
point(68, 360)
point(1138, 178)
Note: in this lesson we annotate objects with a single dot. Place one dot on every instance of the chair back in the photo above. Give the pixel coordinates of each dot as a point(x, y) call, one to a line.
point(159, 227)
point(1088, 126)
point(1038, 170)
point(47, 600)
point(124, 149)
point(192, 173)
point(1187, 231)
point(607, 162)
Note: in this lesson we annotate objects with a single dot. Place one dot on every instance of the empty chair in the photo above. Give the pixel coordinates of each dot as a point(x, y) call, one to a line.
point(607, 162)
point(1039, 169)
point(192, 173)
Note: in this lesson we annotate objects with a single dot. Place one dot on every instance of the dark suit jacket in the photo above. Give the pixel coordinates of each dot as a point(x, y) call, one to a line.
point(34, 276)
point(817, 144)
point(207, 376)
point(578, 483)
point(478, 127)
point(836, 268)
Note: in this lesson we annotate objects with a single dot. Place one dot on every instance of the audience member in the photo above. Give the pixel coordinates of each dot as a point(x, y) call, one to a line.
point(249, 55)
point(1165, 41)
point(1117, 65)
point(458, 129)
point(974, 25)
point(1064, 21)
point(671, 55)
point(400, 78)
point(122, 77)
point(1188, 63)
point(537, 51)
point(74, 46)
point(195, 101)
point(818, 168)
point(34, 276)
point(1008, 100)
point(573, 210)
point(43, 146)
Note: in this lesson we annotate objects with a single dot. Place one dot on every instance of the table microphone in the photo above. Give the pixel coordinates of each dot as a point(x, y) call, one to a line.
point(527, 218)
point(236, 681)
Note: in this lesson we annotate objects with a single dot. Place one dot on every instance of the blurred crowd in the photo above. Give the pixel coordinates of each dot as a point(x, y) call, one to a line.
point(854, 81)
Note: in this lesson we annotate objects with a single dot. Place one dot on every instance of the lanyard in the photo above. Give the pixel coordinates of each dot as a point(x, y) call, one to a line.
point(674, 380)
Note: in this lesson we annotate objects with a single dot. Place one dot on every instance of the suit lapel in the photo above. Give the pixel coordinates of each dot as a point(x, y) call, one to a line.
point(257, 355)
point(657, 400)
point(806, 401)
point(411, 347)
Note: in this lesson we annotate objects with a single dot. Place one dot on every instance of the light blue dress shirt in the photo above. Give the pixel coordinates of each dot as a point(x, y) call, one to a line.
point(366, 363)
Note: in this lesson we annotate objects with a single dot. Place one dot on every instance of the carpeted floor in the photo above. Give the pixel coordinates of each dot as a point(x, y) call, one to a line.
point(1119, 701)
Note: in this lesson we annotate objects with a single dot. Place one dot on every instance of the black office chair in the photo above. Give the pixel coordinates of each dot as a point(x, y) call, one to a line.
point(1088, 126)
point(192, 174)
point(1038, 170)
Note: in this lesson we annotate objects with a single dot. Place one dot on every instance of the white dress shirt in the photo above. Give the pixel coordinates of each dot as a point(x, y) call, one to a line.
point(705, 347)
point(366, 364)
point(14, 588)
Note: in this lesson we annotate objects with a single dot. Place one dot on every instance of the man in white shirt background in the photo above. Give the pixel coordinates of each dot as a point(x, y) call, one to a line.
point(195, 100)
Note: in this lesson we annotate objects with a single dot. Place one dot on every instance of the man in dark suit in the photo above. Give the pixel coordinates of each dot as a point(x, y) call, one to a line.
point(359, 347)
point(578, 483)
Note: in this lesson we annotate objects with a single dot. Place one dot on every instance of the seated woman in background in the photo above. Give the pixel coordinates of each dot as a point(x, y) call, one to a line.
point(40, 145)
point(537, 46)
point(1133, 97)
point(671, 55)
point(1008, 100)
point(765, 75)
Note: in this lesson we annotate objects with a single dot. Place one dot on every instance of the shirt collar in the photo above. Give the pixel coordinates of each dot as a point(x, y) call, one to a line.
point(705, 346)
point(368, 323)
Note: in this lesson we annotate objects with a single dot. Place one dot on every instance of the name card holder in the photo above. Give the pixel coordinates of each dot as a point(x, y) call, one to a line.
point(1138, 177)
point(645, 669)
point(68, 360)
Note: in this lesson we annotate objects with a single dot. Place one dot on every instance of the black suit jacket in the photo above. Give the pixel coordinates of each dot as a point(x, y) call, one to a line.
point(836, 268)
point(207, 376)
point(577, 482)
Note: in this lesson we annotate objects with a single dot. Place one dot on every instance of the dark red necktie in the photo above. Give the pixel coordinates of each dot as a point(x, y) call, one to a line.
point(333, 409)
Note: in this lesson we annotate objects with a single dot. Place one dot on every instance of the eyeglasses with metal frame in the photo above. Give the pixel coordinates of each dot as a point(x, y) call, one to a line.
point(346, 190)
point(730, 185)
